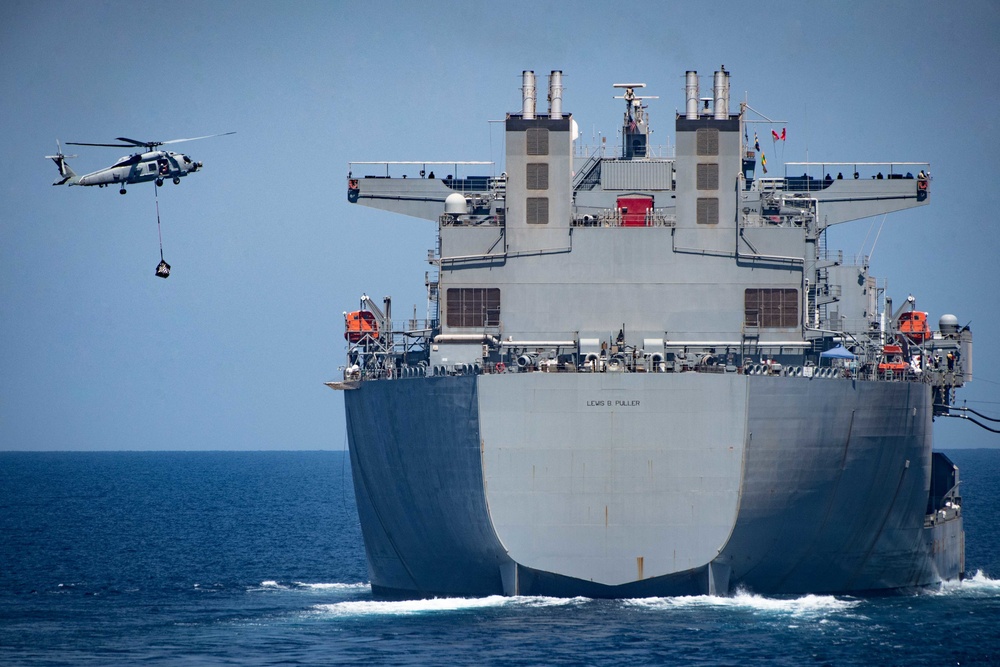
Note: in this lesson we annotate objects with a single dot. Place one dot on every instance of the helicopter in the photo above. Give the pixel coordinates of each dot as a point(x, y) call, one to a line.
point(149, 165)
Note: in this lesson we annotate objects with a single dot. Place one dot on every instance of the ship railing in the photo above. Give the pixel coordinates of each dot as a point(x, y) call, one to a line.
point(410, 371)
point(621, 364)
point(816, 175)
point(837, 257)
point(710, 368)
point(422, 169)
point(491, 186)
point(854, 328)
point(396, 366)
point(493, 220)
point(382, 355)
point(660, 152)
point(770, 184)
point(756, 220)
point(861, 259)
point(897, 375)
point(948, 513)
point(412, 330)
point(387, 372)
point(814, 372)
point(616, 218)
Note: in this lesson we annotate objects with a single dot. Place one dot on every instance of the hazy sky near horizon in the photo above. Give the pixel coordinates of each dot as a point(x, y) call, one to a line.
point(232, 350)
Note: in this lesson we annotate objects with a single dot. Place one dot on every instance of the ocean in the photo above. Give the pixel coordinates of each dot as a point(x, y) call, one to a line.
point(256, 558)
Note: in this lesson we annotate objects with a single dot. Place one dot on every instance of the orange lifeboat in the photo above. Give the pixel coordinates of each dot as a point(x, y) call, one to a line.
point(913, 325)
point(893, 359)
point(359, 324)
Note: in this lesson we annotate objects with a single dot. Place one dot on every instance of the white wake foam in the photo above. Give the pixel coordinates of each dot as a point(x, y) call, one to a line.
point(978, 585)
point(272, 585)
point(438, 605)
point(334, 586)
point(806, 605)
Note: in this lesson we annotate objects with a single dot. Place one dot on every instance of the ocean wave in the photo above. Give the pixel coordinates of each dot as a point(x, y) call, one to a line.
point(439, 605)
point(805, 605)
point(333, 586)
point(209, 587)
point(272, 585)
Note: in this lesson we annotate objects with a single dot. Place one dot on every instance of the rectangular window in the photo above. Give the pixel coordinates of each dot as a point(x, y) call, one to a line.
point(708, 176)
point(473, 306)
point(538, 141)
point(537, 210)
point(708, 141)
point(538, 176)
point(771, 308)
point(708, 210)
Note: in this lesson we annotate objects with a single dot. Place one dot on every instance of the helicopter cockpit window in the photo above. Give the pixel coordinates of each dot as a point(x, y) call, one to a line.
point(152, 167)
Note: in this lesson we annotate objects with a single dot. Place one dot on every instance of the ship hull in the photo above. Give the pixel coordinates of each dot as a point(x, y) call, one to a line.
point(636, 484)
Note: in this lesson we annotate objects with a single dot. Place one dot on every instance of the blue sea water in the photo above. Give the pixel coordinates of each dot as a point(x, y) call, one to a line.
point(256, 558)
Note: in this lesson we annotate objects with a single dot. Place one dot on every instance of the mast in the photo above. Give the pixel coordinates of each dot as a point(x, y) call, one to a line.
point(635, 127)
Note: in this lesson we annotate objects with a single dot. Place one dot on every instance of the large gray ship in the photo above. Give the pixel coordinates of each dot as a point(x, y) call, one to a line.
point(643, 373)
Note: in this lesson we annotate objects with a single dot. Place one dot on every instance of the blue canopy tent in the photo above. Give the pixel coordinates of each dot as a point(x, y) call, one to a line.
point(839, 352)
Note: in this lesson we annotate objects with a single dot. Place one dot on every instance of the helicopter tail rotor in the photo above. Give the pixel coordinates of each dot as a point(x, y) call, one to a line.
point(67, 175)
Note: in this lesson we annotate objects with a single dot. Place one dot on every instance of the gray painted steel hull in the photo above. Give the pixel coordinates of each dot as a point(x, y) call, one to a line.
point(632, 485)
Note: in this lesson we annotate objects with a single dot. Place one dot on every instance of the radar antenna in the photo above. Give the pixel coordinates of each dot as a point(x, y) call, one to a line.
point(635, 128)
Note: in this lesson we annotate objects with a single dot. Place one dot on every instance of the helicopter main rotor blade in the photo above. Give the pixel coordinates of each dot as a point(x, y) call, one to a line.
point(80, 143)
point(207, 136)
point(138, 143)
point(149, 145)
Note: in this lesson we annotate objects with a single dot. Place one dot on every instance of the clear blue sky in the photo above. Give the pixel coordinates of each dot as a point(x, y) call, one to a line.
point(231, 351)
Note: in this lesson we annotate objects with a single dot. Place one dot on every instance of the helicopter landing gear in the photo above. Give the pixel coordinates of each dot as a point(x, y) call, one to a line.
point(177, 181)
point(159, 182)
point(122, 191)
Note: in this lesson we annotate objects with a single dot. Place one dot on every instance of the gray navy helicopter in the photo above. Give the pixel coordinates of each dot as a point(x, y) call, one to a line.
point(150, 165)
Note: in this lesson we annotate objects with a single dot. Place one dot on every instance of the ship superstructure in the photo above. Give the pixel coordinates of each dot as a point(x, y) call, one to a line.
point(644, 373)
